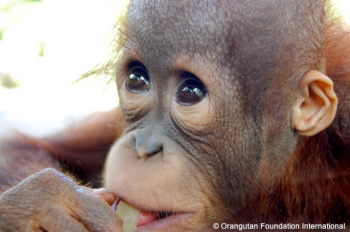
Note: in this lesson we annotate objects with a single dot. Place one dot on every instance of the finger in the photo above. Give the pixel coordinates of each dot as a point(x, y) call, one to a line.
point(106, 195)
point(94, 213)
point(100, 218)
point(58, 219)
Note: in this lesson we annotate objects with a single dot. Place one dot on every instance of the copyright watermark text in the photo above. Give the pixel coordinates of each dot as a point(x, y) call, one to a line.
point(280, 226)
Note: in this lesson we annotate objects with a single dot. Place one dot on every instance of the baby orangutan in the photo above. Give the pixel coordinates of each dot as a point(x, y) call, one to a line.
point(230, 112)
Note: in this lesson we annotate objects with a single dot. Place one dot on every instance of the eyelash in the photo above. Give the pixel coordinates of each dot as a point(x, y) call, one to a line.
point(127, 66)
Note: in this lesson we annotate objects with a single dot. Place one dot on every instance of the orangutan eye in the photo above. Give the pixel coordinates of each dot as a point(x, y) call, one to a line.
point(138, 80)
point(190, 92)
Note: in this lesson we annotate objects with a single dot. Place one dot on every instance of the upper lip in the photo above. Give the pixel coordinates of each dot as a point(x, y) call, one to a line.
point(157, 209)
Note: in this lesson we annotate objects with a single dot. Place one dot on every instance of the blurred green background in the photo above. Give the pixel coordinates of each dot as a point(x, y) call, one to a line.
point(45, 45)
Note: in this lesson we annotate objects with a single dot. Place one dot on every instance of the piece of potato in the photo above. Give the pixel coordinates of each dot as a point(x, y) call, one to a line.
point(129, 215)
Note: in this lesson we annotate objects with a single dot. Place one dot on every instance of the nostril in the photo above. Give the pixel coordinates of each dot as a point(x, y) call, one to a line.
point(148, 149)
point(157, 151)
point(154, 149)
point(148, 142)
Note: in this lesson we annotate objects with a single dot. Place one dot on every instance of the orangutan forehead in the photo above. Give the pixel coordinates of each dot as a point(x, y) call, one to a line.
point(189, 29)
point(261, 26)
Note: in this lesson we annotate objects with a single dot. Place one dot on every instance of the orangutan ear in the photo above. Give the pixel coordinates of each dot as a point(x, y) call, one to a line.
point(316, 108)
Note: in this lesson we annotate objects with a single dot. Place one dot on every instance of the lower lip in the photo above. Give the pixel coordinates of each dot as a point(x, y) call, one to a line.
point(162, 224)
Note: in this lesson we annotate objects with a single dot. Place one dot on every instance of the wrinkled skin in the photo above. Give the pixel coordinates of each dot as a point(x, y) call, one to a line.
point(51, 201)
point(216, 143)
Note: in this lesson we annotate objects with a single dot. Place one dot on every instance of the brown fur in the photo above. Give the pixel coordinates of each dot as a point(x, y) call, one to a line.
point(80, 149)
point(314, 185)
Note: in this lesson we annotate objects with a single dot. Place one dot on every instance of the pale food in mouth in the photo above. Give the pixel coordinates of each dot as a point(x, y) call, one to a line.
point(133, 217)
point(129, 215)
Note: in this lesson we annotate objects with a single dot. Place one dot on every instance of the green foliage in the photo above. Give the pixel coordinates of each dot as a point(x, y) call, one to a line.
point(13, 12)
point(2, 32)
point(7, 81)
